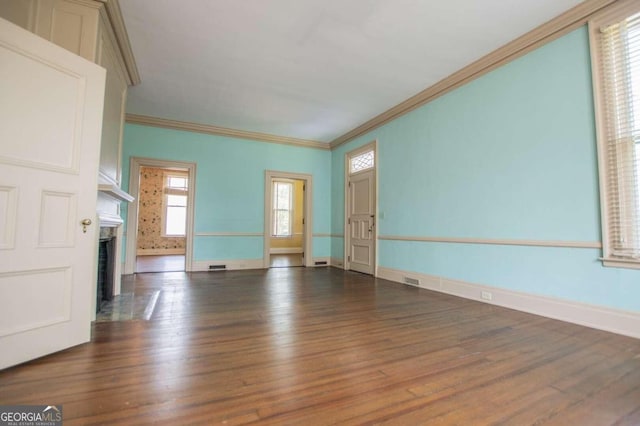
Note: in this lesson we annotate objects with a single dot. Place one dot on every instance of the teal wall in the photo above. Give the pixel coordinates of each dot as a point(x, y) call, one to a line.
point(511, 155)
point(230, 185)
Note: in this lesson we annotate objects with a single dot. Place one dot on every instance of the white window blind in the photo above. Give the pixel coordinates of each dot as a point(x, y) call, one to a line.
point(618, 53)
point(175, 199)
point(282, 204)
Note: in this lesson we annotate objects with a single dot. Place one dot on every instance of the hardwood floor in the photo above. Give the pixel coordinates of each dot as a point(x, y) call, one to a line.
point(317, 346)
point(286, 260)
point(160, 263)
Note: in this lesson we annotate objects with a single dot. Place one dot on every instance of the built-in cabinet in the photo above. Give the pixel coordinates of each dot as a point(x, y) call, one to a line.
point(94, 30)
point(87, 28)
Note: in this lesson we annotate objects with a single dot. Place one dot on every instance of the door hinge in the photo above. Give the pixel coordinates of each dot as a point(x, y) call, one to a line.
point(303, 255)
point(348, 258)
point(304, 187)
point(349, 221)
point(303, 220)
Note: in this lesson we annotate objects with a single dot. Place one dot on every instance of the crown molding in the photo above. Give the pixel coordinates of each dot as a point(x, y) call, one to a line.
point(222, 131)
point(545, 33)
point(114, 13)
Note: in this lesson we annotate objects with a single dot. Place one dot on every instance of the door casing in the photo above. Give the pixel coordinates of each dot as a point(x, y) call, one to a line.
point(269, 176)
point(136, 163)
point(371, 146)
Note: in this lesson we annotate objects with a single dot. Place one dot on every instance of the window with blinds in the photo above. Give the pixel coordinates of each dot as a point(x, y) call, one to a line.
point(282, 205)
point(615, 45)
point(174, 219)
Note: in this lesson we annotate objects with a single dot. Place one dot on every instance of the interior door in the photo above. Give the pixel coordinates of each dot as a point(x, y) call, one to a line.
point(51, 119)
point(361, 222)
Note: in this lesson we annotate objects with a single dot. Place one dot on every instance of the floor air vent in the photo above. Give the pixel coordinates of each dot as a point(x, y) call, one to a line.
point(412, 281)
point(217, 267)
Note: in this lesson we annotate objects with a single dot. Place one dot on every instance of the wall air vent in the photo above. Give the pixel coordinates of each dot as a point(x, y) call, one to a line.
point(321, 262)
point(217, 267)
point(412, 281)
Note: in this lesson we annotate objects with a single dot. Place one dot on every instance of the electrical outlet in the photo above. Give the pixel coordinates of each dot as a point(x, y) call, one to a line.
point(486, 295)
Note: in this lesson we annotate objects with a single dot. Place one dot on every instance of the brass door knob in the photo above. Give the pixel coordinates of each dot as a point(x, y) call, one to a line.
point(85, 223)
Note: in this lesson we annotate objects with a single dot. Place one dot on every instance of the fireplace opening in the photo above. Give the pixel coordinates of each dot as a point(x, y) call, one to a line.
point(106, 265)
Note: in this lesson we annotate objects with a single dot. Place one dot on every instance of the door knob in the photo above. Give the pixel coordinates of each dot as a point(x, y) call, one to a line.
point(85, 223)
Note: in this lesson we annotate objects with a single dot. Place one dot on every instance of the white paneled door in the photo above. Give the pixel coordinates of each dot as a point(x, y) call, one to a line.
point(361, 222)
point(50, 125)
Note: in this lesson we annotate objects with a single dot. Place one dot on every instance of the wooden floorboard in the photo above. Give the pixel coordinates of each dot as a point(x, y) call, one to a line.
point(322, 346)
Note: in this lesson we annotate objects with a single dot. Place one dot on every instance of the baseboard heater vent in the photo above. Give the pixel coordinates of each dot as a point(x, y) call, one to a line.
point(412, 281)
point(321, 262)
point(217, 267)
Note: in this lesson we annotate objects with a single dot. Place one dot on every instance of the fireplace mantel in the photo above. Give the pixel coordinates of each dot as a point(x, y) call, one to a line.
point(114, 192)
point(108, 220)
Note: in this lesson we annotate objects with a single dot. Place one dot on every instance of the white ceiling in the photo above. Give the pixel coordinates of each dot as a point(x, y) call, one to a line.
point(309, 69)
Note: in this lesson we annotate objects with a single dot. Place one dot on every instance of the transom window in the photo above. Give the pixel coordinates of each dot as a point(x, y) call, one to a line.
point(361, 162)
point(282, 205)
point(615, 41)
point(175, 201)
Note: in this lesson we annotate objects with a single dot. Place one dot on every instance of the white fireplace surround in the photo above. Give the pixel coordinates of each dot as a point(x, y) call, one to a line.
point(116, 195)
point(109, 198)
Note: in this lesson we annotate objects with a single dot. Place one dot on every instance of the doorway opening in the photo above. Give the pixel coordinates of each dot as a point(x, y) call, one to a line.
point(160, 221)
point(361, 206)
point(287, 220)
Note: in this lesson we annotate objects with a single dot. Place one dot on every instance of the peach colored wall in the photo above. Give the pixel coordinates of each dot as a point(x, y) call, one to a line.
point(150, 214)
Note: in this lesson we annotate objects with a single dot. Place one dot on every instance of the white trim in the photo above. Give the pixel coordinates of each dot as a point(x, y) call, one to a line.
point(337, 263)
point(109, 220)
point(231, 264)
point(328, 235)
point(113, 191)
point(229, 234)
point(321, 259)
point(132, 214)
point(223, 131)
point(285, 250)
point(621, 263)
point(160, 252)
point(371, 146)
point(599, 317)
point(307, 240)
point(117, 269)
point(535, 243)
point(114, 14)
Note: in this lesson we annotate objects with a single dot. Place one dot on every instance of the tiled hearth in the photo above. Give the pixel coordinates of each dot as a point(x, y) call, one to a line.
point(129, 306)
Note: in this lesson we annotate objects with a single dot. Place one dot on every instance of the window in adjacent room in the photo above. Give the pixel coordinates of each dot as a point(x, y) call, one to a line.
point(615, 49)
point(282, 205)
point(175, 205)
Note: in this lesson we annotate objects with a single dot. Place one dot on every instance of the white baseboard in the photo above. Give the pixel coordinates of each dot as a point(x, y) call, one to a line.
point(285, 250)
point(157, 252)
point(230, 264)
point(337, 263)
point(599, 317)
point(321, 259)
